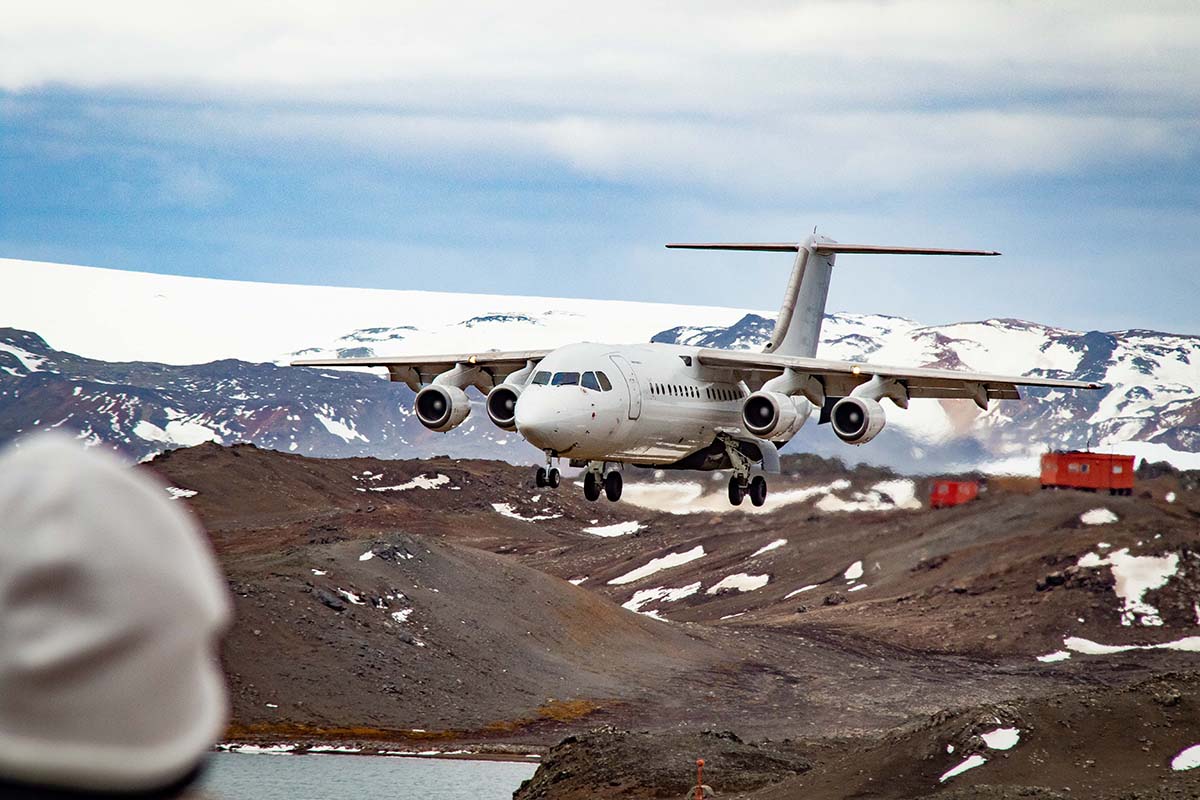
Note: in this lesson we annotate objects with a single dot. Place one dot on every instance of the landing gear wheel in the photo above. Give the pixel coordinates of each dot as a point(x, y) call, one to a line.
point(591, 487)
point(612, 486)
point(540, 477)
point(758, 490)
point(736, 491)
point(553, 478)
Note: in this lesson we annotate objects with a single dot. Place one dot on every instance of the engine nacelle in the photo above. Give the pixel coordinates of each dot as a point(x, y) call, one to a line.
point(440, 407)
point(773, 415)
point(857, 420)
point(502, 405)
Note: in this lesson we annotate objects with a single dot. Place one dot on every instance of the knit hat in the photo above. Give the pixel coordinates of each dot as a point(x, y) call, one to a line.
point(111, 606)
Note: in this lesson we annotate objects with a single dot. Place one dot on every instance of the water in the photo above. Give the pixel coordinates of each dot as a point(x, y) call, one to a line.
point(245, 776)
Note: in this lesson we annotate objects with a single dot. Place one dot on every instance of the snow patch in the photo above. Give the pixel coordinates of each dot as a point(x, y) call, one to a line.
point(177, 493)
point(971, 762)
point(1189, 644)
point(351, 596)
point(616, 529)
point(1001, 738)
point(1135, 575)
point(775, 545)
point(854, 571)
point(792, 594)
point(1057, 655)
point(340, 429)
point(1188, 758)
point(507, 510)
point(740, 582)
point(1097, 516)
point(658, 564)
point(659, 594)
point(367, 556)
point(419, 482)
point(402, 615)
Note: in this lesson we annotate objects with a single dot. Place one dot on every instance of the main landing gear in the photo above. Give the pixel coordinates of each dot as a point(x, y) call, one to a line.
point(755, 488)
point(595, 478)
point(740, 483)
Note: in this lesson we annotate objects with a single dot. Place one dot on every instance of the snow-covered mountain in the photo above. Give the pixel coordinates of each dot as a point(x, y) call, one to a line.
point(116, 369)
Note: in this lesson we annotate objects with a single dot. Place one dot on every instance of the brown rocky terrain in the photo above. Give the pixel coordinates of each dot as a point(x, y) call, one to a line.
point(427, 603)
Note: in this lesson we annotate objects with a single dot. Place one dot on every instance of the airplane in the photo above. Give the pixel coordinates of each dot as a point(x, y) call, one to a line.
point(603, 406)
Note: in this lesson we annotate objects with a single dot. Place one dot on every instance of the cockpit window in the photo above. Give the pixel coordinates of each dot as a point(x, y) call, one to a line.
point(565, 379)
point(604, 384)
point(541, 378)
point(589, 381)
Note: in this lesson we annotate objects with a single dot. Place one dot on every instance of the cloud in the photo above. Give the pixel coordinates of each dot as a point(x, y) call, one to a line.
point(764, 97)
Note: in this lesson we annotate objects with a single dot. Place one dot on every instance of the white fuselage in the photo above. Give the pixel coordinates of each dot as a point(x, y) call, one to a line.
point(662, 404)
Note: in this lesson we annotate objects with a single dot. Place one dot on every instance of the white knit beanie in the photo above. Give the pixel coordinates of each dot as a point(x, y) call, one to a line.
point(111, 606)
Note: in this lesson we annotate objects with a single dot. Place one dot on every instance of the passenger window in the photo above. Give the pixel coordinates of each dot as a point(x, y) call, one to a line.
point(590, 382)
point(1117, 469)
point(604, 384)
point(541, 378)
point(565, 379)
point(1084, 467)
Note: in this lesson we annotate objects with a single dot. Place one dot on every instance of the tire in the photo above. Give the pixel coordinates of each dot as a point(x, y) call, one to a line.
point(612, 486)
point(736, 491)
point(758, 490)
point(553, 478)
point(591, 487)
point(539, 478)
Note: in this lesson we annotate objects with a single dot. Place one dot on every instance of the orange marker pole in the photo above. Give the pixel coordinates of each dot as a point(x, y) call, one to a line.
point(700, 779)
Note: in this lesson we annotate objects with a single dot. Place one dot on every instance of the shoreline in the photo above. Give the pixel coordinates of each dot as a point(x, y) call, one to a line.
point(514, 754)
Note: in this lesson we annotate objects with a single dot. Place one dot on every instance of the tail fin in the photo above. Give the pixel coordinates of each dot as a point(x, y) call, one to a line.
point(798, 327)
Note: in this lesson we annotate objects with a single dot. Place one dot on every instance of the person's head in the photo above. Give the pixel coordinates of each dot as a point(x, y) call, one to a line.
point(111, 606)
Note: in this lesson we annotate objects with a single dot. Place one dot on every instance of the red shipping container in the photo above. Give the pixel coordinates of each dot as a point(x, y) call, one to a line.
point(944, 494)
point(1089, 472)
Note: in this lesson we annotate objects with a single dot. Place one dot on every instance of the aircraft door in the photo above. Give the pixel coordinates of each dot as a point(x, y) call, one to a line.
point(635, 391)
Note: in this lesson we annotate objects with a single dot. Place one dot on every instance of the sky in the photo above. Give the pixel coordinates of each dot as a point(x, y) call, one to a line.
point(553, 148)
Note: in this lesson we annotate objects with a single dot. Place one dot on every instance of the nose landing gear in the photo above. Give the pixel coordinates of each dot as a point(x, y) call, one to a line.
point(547, 477)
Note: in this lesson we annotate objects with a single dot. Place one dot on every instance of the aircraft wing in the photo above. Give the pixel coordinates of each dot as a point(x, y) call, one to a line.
point(839, 378)
point(418, 370)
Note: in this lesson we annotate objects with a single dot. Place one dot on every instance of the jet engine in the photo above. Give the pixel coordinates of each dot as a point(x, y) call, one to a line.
point(441, 407)
point(502, 405)
point(774, 416)
point(857, 420)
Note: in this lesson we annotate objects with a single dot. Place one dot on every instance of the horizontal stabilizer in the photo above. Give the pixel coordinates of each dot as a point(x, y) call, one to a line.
point(831, 247)
point(766, 247)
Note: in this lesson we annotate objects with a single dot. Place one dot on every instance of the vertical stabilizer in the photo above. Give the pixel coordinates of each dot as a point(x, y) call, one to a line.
point(798, 327)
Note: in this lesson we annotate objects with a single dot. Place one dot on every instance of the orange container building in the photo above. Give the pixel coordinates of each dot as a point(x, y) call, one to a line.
point(943, 494)
point(1089, 472)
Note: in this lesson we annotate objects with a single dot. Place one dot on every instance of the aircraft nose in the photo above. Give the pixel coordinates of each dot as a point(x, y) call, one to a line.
point(542, 422)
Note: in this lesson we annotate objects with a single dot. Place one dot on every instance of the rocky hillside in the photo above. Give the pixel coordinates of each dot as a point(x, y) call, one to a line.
point(843, 635)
